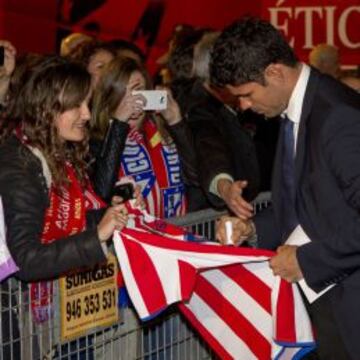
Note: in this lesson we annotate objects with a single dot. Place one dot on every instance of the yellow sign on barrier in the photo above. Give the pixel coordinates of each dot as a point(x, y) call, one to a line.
point(88, 299)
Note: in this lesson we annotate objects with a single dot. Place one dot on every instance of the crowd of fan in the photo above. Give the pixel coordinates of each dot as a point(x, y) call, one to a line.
point(223, 154)
point(72, 126)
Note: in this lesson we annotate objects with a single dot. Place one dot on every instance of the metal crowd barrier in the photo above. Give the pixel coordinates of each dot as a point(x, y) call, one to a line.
point(166, 338)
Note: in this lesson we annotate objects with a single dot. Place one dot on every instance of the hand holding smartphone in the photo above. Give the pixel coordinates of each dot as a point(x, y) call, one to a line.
point(125, 191)
point(155, 99)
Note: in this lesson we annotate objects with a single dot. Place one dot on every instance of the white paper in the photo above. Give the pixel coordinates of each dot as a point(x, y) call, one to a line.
point(298, 238)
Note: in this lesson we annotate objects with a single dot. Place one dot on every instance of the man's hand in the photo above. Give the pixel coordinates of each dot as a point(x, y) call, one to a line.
point(231, 192)
point(241, 229)
point(285, 263)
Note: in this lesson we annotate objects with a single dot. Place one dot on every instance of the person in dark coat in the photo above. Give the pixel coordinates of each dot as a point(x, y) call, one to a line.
point(314, 223)
point(42, 158)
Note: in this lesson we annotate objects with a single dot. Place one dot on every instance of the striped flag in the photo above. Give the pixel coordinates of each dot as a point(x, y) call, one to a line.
point(228, 294)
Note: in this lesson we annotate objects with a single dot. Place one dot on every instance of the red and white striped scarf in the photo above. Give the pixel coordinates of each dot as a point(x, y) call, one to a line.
point(156, 168)
point(228, 294)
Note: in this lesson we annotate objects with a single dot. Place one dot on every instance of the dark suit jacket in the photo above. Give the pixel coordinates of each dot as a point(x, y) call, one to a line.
point(327, 199)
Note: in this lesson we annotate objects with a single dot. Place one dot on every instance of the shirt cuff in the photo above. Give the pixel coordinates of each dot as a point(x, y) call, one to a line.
point(213, 188)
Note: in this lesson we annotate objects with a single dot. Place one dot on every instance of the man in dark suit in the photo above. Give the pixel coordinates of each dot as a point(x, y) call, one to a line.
point(316, 179)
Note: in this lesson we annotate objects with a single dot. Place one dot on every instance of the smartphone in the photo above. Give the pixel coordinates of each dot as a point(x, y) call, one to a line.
point(155, 99)
point(125, 191)
point(2, 55)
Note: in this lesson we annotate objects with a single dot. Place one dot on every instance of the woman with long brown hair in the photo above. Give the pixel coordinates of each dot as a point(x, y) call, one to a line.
point(46, 194)
point(128, 141)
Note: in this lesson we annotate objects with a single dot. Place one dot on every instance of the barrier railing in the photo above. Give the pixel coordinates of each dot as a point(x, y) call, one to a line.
point(167, 338)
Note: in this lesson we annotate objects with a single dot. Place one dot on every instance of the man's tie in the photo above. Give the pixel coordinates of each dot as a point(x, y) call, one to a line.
point(289, 217)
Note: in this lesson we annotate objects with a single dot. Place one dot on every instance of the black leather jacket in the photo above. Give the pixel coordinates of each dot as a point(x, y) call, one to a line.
point(25, 198)
point(106, 156)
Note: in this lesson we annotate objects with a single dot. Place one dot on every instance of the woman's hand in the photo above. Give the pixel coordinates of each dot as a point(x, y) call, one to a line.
point(131, 106)
point(115, 218)
point(171, 114)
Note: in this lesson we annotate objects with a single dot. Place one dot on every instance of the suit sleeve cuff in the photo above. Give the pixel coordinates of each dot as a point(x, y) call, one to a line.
point(213, 188)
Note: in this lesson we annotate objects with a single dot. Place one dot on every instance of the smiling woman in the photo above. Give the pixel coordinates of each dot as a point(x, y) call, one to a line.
point(71, 124)
point(43, 182)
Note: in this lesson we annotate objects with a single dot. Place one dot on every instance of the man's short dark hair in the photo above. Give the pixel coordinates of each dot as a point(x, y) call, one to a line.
point(245, 49)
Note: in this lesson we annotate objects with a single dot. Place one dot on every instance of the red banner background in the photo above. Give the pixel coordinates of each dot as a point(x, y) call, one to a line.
point(307, 23)
point(35, 25)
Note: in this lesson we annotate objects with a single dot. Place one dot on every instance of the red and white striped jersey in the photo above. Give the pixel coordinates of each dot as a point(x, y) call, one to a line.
point(229, 294)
